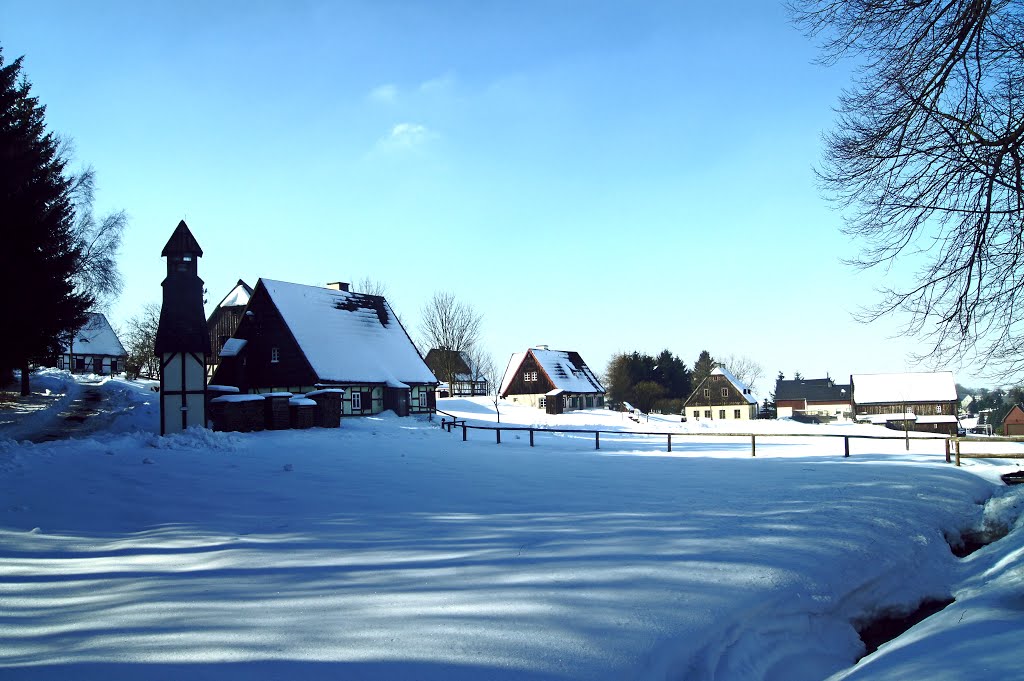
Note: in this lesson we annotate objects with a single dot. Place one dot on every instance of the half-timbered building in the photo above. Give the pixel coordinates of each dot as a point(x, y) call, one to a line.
point(924, 401)
point(298, 338)
point(554, 380)
point(453, 368)
point(94, 348)
point(721, 396)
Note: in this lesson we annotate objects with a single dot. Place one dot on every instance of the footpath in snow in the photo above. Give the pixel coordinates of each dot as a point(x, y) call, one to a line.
point(390, 549)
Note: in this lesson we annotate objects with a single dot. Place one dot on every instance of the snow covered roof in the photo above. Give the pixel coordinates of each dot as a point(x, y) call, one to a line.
point(239, 295)
point(567, 370)
point(740, 385)
point(348, 337)
point(96, 337)
point(937, 386)
point(232, 346)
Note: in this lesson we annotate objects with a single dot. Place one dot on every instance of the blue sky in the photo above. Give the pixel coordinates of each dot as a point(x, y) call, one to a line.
point(593, 176)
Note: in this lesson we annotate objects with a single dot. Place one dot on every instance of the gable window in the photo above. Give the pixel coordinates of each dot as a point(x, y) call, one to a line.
point(529, 376)
point(707, 392)
point(725, 392)
point(721, 413)
point(357, 401)
point(735, 413)
point(275, 355)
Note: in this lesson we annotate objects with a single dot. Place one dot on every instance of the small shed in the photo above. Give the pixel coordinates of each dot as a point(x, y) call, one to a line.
point(554, 402)
point(1013, 423)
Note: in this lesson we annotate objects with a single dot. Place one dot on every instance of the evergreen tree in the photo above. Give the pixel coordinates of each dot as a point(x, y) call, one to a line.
point(703, 367)
point(41, 252)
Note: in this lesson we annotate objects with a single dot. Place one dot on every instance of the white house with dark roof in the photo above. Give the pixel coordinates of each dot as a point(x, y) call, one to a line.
point(924, 401)
point(722, 397)
point(94, 348)
point(298, 338)
point(554, 380)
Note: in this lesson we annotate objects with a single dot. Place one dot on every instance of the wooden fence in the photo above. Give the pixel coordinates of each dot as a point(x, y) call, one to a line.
point(450, 422)
point(982, 455)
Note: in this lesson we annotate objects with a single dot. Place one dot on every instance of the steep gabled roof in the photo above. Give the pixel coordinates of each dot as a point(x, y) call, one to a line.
point(741, 388)
point(566, 370)
point(348, 337)
point(931, 386)
point(239, 295)
point(181, 241)
point(96, 337)
point(812, 390)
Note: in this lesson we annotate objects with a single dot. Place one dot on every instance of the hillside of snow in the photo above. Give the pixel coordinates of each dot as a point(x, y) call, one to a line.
point(391, 549)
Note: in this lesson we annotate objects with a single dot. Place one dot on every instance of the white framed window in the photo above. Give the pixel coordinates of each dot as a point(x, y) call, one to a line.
point(275, 355)
point(530, 376)
point(707, 392)
point(357, 401)
point(543, 402)
point(725, 392)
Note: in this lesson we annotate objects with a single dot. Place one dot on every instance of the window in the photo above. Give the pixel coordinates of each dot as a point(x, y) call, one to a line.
point(696, 413)
point(938, 409)
point(721, 414)
point(707, 392)
point(735, 413)
point(357, 400)
point(543, 403)
point(529, 376)
point(725, 392)
point(707, 413)
point(275, 355)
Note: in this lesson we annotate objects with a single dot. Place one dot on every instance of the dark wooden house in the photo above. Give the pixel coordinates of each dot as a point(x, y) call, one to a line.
point(812, 397)
point(923, 401)
point(224, 320)
point(1013, 422)
point(297, 338)
point(182, 338)
point(94, 348)
point(539, 376)
point(721, 396)
point(457, 377)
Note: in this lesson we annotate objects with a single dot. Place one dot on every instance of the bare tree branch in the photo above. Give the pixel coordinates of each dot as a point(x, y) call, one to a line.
point(926, 161)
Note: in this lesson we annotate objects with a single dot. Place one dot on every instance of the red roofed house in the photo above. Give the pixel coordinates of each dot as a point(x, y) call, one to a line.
point(1013, 423)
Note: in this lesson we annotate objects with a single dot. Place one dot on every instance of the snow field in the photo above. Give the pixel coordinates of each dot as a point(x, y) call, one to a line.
point(391, 549)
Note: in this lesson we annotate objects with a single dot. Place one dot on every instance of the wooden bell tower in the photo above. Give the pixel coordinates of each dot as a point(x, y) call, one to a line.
point(182, 339)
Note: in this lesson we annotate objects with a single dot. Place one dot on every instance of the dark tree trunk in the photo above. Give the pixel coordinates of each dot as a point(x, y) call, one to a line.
point(25, 389)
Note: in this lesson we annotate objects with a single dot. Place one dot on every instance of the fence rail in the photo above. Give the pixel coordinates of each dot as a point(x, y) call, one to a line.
point(452, 422)
point(982, 455)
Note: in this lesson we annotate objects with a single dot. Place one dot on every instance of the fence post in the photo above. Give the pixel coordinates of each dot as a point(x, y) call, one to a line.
point(947, 450)
point(497, 432)
point(531, 437)
point(957, 445)
point(463, 432)
point(846, 446)
point(670, 442)
point(753, 445)
point(597, 439)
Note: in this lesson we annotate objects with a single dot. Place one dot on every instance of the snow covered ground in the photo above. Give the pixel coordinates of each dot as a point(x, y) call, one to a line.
point(390, 549)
